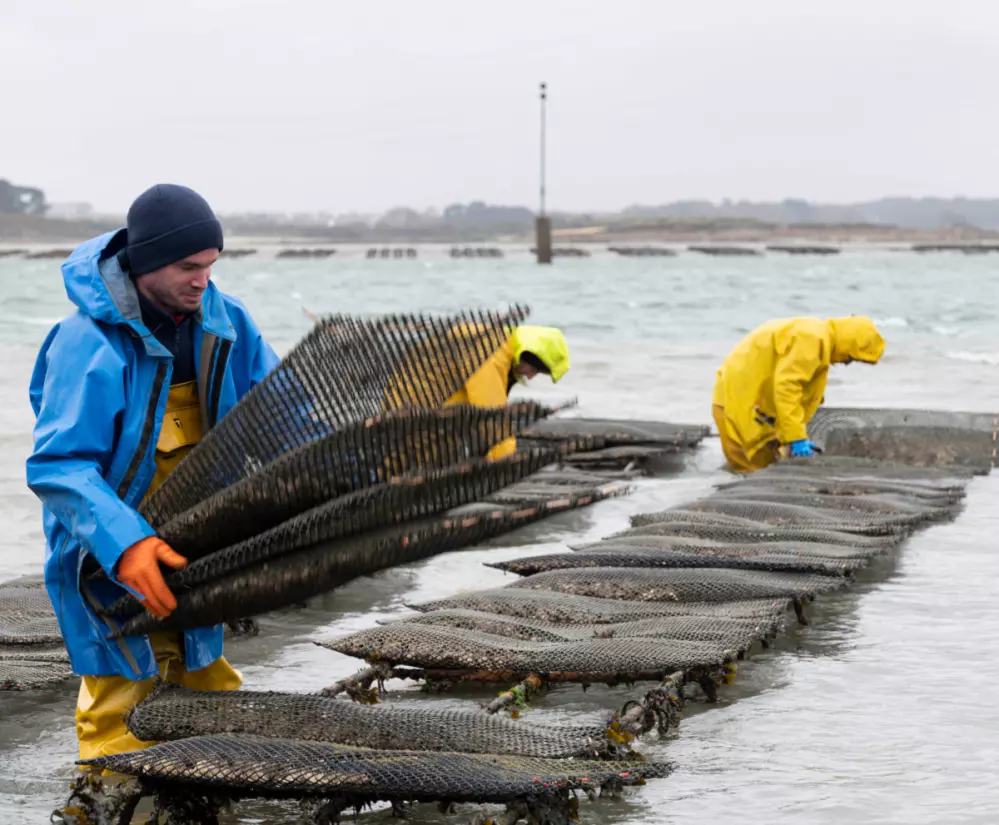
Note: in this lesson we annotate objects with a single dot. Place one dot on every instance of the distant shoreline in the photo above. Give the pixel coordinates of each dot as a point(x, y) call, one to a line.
point(31, 232)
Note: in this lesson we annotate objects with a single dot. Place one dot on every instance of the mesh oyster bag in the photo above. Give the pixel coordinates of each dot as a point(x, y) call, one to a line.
point(615, 432)
point(730, 633)
point(912, 511)
point(698, 525)
point(455, 649)
point(173, 712)
point(26, 614)
point(29, 667)
point(345, 370)
point(856, 486)
point(652, 544)
point(565, 608)
point(740, 557)
point(921, 438)
point(325, 565)
point(680, 584)
point(629, 444)
point(258, 766)
point(363, 456)
point(413, 496)
point(778, 513)
point(859, 467)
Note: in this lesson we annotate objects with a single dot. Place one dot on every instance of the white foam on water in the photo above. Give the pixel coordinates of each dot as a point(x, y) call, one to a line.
point(990, 358)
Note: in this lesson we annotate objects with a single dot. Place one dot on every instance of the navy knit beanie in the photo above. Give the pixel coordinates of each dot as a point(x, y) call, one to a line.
point(166, 224)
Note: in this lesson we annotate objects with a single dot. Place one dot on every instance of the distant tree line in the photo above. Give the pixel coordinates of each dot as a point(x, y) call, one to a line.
point(24, 200)
point(479, 220)
point(910, 213)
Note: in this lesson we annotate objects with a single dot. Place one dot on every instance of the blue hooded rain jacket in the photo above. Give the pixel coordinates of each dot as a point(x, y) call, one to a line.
point(99, 392)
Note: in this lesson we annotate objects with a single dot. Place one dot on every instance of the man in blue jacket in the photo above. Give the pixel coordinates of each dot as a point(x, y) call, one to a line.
point(122, 389)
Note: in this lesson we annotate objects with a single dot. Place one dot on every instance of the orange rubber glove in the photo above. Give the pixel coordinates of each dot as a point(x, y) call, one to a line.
point(139, 568)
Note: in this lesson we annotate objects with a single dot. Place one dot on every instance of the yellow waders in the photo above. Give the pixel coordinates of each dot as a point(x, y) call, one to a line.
point(103, 700)
point(737, 458)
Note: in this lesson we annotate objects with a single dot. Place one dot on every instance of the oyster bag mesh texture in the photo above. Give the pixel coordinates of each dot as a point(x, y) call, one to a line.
point(26, 615)
point(564, 608)
point(255, 766)
point(698, 525)
point(28, 667)
point(777, 513)
point(345, 370)
point(652, 544)
point(680, 584)
point(736, 634)
point(449, 648)
point(361, 457)
point(920, 438)
point(176, 713)
point(616, 433)
point(323, 566)
point(745, 558)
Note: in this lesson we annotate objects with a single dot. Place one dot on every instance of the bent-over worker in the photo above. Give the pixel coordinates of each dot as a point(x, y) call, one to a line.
point(122, 389)
point(771, 384)
point(528, 351)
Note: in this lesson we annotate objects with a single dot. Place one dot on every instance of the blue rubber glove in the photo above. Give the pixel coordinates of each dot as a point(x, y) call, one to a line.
point(803, 449)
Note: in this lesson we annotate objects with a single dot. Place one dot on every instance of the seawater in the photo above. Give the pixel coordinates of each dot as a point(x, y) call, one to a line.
point(881, 711)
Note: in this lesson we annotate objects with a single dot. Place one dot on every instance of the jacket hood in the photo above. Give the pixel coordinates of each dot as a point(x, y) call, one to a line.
point(96, 283)
point(547, 343)
point(856, 338)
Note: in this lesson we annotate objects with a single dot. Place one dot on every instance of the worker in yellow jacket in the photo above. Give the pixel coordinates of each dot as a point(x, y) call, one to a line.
point(528, 351)
point(771, 384)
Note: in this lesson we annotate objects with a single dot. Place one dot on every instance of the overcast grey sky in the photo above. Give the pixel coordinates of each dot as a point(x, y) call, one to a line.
point(362, 105)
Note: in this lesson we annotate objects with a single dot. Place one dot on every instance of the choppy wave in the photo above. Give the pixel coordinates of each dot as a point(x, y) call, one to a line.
point(891, 322)
point(16, 320)
point(975, 357)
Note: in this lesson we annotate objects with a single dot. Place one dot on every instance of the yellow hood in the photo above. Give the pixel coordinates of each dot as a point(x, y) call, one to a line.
point(547, 343)
point(855, 338)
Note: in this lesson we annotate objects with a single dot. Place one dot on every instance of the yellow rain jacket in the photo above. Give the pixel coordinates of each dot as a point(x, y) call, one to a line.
point(490, 385)
point(772, 383)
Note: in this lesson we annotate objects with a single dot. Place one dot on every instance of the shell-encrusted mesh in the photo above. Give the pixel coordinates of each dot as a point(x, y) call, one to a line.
point(564, 608)
point(838, 466)
point(256, 766)
point(449, 648)
point(26, 615)
point(344, 371)
point(776, 513)
point(630, 443)
point(881, 504)
point(747, 557)
point(734, 634)
point(619, 432)
point(920, 438)
point(858, 486)
point(683, 544)
point(176, 713)
point(292, 577)
point(690, 524)
point(27, 667)
point(680, 584)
